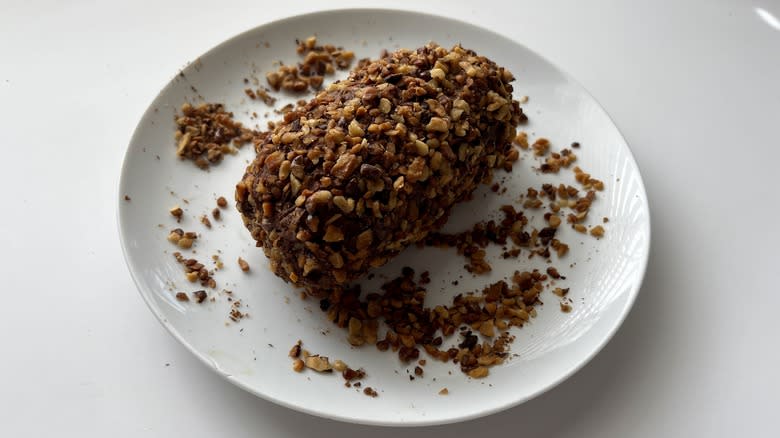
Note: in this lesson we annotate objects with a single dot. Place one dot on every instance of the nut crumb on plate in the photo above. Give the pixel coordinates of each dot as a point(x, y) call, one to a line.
point(295, 351)
point(200, 296)
point(318, 363)
point(195, 271)
point(207, 132)
point(183, 239)
point(317, 62)
point(177, 212)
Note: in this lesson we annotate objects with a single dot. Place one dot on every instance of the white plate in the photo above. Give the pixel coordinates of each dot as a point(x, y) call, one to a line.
point(253, 353)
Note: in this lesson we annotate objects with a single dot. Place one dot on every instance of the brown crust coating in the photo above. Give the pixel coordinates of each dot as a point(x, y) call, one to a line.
point(376, 162)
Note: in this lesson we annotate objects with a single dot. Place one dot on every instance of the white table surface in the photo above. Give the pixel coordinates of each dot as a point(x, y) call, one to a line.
point(694, 86)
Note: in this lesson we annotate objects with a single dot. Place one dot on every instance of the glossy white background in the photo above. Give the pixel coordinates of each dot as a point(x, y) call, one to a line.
point(693, 86)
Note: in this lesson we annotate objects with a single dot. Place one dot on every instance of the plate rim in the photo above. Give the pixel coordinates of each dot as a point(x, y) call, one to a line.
point(421, 421)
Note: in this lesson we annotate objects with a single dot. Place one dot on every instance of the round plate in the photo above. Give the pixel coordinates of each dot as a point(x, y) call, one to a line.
point(252, 353)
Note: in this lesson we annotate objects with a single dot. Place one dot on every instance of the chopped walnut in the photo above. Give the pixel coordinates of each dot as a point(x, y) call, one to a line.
point(318, 363)
point(243, 264)
point(541, 146)
point(195, 271)
point(207, 132)
point(340, 366)
point(478, 372)
point(262, 94)
point(295, 351)
point(177, 212)
point(349, 374)
point(181, 238)
point(317, 62)
point(200, 296)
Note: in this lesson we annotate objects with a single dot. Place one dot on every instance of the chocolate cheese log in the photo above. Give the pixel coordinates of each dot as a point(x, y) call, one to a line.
point(375, 162)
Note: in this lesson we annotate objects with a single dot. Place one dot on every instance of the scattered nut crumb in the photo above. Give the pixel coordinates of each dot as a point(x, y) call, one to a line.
point(339, 366)
point(444, 391)
point(478, 372)
point(181, 296)
point(195, 271)
point(183, 239)
point(262, 94)
point(177, 212)
point(207, 132)
point(200, 296)
point(522, 140)
point(295, 351)
point(318, 61)
point(235, 314)
point(243, 264)
point(349, 374)
point(318, 363)
point(175, 236)
point(540, 147)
